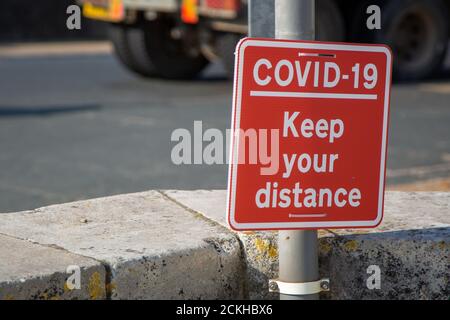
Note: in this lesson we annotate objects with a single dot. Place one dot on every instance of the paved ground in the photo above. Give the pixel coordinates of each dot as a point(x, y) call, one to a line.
point(77, 126)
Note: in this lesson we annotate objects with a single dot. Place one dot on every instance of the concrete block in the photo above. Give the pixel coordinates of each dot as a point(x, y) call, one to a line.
point(152, 247)
point(176, 245)
point(411, 248)
point(32, 271)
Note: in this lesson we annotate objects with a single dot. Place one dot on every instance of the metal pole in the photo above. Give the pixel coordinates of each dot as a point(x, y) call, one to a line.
point(298, 253)
point(261, 18)
point(293, 19)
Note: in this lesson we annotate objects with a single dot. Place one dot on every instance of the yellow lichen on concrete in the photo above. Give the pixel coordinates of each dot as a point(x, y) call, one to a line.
point(66, 288)
point(351, 245)
point(442, 245)
point(43, 296)
point(324, 247)
point(95, 286)
point(46, 296)
point(266, 248)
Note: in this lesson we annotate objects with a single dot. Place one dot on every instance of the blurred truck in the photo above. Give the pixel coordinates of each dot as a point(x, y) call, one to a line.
point(176, 39)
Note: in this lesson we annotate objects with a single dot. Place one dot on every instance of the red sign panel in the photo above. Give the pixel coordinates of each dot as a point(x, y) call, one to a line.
point(310, 123)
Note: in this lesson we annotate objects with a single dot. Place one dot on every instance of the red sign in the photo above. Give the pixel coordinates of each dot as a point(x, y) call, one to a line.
point(310, 124)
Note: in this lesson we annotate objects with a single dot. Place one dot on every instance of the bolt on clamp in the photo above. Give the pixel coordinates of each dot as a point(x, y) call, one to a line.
point(299, 288)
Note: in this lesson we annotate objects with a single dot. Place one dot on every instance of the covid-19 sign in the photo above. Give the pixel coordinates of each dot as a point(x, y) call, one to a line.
point(310, 125)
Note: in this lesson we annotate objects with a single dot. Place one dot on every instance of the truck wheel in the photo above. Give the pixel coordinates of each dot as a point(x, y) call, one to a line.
point(148, 49)
point(330, 22)
point(417, 31)
point(173, 58)
point(132, 56)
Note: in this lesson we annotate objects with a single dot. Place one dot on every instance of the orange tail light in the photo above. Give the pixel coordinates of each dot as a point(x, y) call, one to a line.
point(189, 11)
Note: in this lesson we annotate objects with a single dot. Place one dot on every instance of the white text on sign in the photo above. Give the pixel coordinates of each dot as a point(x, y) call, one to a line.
point(302, 74)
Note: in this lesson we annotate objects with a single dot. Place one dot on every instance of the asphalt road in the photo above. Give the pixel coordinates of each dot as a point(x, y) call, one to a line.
point(80, 126)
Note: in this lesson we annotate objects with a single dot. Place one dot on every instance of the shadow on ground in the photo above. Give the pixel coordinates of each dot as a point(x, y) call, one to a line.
point(42, 111)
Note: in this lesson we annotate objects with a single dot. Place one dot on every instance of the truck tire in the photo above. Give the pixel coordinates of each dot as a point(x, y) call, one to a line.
point(149, 50)
point(129, 54)
point(330, 22)
point(417, 31)
point(172, 58)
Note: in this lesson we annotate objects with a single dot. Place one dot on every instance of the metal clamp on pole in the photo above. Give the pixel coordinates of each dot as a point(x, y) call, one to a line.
point(300, 288)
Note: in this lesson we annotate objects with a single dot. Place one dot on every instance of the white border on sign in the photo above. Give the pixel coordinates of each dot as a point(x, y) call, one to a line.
point(235, 125)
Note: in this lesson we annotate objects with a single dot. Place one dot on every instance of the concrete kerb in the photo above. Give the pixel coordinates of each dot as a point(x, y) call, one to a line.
point(151, 247)
point(176, 245)
point(411, 248)
point(32, 271)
